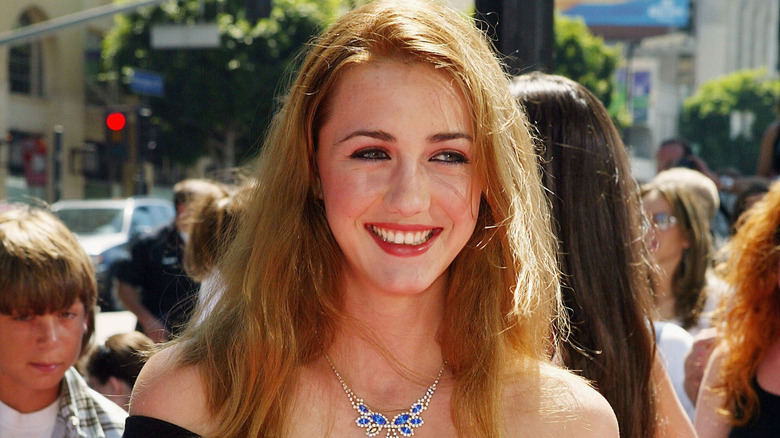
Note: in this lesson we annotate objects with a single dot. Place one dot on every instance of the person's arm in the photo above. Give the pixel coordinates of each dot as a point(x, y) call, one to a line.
point(708, 421)
point(130, 297)
point(672, 419)
point(764, 165)
point(696, 361)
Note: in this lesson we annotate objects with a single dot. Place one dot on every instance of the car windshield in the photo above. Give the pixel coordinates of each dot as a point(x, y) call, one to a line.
point(92, 220)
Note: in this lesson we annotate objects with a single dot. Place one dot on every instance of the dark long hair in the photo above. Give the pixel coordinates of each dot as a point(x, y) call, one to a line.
point(602, 255)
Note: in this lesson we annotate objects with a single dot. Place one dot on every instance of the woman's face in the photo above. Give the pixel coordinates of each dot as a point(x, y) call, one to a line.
point(667, 237)
point(394, 159)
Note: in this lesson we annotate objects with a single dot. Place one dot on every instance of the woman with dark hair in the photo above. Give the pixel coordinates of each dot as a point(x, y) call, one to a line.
point(394, 272)
point(597, 218)
point(739, 392)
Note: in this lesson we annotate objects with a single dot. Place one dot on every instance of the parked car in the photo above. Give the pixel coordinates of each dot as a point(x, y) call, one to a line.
point(106, 229)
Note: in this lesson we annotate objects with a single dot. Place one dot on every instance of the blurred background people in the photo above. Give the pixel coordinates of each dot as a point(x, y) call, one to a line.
point(681, 246)
point(677, 152)
point(153, 283)
point(597, 219)
point(215, 221)
point(113, 367)
point(680, 204)
point(48, 296)
point(739, 394)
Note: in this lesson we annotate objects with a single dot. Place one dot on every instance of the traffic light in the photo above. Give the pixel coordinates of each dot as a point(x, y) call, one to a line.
point(116, 124)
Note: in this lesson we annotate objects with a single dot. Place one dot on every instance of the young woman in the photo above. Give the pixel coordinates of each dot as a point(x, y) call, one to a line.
point(740, 393)
point(683, 250)
point(598, 222)
point(395, 272)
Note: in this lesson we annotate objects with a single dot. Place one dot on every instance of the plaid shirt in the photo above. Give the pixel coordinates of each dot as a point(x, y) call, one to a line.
point(86, 414)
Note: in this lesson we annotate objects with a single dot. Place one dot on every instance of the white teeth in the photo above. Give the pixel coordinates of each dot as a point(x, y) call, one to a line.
point(401, 238)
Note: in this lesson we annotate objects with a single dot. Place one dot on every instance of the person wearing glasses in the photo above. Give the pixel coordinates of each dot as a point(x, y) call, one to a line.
point(679, 210)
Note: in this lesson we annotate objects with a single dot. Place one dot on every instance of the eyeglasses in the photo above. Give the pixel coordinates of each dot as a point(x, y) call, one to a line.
point(663, 221)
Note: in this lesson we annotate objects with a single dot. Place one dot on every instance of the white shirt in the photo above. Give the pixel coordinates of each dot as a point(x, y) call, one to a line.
point(674, 344)
point(38, 424)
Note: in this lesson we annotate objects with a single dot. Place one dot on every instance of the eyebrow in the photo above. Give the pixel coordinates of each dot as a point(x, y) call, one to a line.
point(385, 136)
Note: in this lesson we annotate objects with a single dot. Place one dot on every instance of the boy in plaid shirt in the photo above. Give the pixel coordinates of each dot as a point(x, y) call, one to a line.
point(47, 318)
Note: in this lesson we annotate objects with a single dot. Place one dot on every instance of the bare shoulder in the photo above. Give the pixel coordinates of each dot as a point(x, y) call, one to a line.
point(555, 403)
point(171, 392)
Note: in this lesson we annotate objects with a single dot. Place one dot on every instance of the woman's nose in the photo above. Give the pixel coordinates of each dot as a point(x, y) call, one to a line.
point(409, 190)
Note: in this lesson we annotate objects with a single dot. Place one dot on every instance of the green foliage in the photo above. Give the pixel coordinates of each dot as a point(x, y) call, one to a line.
point(706, 118)
point(212, 93)
point(583, 57)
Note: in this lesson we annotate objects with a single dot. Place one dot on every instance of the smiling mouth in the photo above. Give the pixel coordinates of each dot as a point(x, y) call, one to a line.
point(397, 237)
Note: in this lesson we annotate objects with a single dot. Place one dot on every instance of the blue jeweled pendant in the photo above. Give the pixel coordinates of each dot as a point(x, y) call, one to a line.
point(402, 425)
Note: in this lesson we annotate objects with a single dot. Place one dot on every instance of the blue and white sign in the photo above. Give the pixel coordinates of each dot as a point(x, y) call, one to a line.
point(650, 13)
point(147, 82)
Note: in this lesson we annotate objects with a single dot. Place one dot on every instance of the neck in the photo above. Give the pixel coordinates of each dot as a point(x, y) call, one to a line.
point(664, 295)
point(25, 400)
point(387, 352)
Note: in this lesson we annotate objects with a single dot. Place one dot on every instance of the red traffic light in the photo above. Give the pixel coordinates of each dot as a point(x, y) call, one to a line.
point(115, 121)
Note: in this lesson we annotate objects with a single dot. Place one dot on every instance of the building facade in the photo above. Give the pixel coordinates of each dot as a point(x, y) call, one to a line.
point(51, 106)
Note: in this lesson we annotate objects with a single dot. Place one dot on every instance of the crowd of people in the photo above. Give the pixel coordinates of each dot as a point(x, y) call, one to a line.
point(423, 247)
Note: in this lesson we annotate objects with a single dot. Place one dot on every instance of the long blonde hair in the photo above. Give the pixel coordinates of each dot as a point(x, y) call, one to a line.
point(283, 271)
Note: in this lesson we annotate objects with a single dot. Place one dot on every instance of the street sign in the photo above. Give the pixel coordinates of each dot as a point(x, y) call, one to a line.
point(185, 36)
point(147, 82)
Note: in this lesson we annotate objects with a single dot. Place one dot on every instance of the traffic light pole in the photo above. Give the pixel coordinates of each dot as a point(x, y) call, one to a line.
point(130, 168)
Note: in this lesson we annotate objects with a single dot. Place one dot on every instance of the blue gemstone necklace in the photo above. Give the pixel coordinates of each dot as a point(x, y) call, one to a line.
point(402, 424)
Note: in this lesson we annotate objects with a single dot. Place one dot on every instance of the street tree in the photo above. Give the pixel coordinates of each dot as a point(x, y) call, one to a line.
point(583, 57)
point(726, 117)
point(217, 101)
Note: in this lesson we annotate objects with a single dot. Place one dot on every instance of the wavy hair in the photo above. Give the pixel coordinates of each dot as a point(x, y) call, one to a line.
point(284, 269)
point(597, 219)
point(748, 319)
point(689, 278)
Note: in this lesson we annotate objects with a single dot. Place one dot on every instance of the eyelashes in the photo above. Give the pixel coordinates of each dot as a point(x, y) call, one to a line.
point(451, 157)
point(370, 154)
point(377, 154)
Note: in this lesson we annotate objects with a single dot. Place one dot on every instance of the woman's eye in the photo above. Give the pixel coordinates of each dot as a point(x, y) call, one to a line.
point(450, 157)
point(370, 154)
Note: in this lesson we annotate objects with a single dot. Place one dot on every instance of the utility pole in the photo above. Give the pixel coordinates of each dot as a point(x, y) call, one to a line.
point(522, 31)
